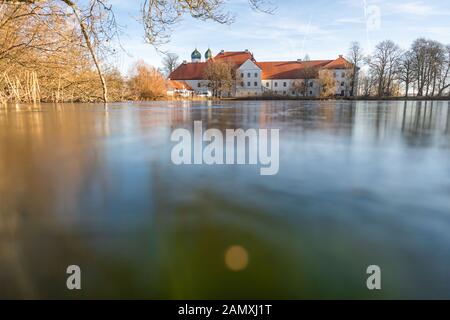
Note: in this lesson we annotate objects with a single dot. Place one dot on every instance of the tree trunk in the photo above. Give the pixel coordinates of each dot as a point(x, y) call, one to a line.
point(84, 31)
point(355, 70)
point(407, 88)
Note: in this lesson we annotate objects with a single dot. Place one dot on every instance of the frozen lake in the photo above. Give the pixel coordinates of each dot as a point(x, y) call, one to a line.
point(360, 183)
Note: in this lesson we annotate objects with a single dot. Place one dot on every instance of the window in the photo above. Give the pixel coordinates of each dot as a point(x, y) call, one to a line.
point(311, 84)
point(256, 75)
point(199, 85)
point(284, 84)
point(293, 93)
point(267, 84)
point(242, 75)
point(310, 93)
point(256, 84)
point(342, 84)
point(284, 92)
point(249, 84)
point(276, 84)
point(242, 84)
point(249, 75)
point(343, 74)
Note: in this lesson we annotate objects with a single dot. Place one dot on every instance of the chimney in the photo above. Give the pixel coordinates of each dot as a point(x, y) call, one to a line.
point(222, 51)
point(184, 62)
point(341, 56)
point(299, 60)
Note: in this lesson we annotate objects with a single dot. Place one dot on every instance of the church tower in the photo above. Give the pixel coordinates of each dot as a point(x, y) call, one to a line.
point(196, 56)
point(208, 54)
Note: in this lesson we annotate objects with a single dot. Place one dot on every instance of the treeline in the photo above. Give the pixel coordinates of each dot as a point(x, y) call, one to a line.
point(44, 58)
point(423, 70)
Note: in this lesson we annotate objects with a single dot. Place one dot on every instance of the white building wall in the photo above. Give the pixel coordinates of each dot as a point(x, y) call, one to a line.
point(250, 83)
point(342, 81)
point(248, 80)
point(284, 87)
point(199, 86)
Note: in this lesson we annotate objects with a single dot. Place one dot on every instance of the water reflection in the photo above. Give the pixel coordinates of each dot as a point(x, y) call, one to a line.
point(360, 183)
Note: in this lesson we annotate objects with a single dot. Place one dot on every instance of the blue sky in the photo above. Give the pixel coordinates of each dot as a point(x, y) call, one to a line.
point(322, 29)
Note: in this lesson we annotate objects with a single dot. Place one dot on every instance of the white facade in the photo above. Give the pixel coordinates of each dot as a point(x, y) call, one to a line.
point(250, 77)
point(248, 80)
point(290, 87)
point(343, 86)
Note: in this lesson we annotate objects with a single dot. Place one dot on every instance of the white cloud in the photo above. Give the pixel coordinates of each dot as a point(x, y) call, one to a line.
point(359, 20)
point(416, 8)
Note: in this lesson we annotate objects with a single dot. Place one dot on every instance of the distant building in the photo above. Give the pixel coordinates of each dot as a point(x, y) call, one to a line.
point(178, 89)
point(254, 78)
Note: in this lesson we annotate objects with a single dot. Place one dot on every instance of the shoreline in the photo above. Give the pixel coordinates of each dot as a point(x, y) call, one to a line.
point(419, 99)
point(339, 99)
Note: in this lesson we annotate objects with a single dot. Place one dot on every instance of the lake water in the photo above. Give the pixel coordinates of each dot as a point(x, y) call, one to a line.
point(360, 183)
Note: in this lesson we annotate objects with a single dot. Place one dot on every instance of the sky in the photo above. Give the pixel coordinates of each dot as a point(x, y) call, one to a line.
point(320, 29)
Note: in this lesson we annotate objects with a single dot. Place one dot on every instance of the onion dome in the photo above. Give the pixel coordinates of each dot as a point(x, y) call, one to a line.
point(196, 55)
point(208, 54)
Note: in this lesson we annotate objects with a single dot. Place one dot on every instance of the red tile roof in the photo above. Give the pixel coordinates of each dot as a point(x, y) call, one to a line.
point(290, 69)
point(339, 63)
point(270, 70)
point(195, 71)
point(236, 57)
point(189, 71)
point(178, 85)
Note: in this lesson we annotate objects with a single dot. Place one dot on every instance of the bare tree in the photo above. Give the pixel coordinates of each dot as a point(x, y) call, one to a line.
point(406, 72)
point(384, 65)
point(170, 63)
point(367, 84)
point(308, 73)
point(444, 75)
point(97, 25)
point(428, 56)
point(356, 57)
point(220, 77)
point(96, 22)
point(160, 17)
